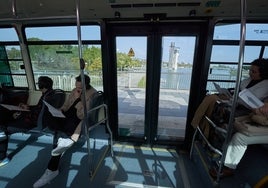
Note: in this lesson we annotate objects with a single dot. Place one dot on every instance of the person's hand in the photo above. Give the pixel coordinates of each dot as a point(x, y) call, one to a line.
point(24, 106)
point(262, 110)
point(77, 93)
point(16, 115)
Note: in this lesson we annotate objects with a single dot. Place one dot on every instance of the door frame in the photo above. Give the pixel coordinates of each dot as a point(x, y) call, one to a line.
point(154, 32)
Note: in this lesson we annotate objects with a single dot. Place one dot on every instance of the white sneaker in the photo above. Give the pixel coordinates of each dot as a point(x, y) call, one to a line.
point(46, 178)
point(3, 136)
point(4, 161)
point(62, 145)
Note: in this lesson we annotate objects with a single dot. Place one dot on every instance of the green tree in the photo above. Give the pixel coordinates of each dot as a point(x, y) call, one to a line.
point(92, 57)
point(14, 53)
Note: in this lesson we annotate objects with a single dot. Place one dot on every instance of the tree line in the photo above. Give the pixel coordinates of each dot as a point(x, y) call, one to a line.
point(66, 57)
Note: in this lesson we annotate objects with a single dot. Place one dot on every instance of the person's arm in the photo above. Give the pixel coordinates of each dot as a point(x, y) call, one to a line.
point(68, 102)
point(80, 106)
point(24, 106)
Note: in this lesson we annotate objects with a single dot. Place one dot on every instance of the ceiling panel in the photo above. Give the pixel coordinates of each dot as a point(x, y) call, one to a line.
point(99, 9)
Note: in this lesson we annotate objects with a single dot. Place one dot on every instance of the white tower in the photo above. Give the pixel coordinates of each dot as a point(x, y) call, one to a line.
point(173, 56)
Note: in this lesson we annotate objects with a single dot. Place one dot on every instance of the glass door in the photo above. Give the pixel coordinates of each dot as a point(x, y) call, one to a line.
point(176, 73)
point(131, 84)
point(153, 65)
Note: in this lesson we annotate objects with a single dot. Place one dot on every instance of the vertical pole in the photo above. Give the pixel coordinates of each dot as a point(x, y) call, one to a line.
point(81, 61)
point(238, 80)
point(82, 66)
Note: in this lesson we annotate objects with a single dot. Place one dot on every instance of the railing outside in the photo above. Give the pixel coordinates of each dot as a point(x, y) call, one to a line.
point(127, 79)
point(60, 80)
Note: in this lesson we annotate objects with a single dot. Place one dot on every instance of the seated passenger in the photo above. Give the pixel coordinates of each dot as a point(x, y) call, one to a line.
point(238, 145)
point(256, 83)
point(22, 120)
point(73, 109)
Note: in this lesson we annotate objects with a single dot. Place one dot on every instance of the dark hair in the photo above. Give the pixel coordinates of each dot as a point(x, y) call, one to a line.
point(263, 67)
point(87, 80)
point(45, 82)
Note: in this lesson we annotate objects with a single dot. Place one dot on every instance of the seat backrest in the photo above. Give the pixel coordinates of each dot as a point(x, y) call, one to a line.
point(98, 99)
point(56, 98)
point(95, 115)
point(221, 113)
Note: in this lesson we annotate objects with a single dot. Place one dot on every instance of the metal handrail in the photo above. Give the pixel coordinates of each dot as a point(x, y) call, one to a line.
point(99, 121)
point(217, 128)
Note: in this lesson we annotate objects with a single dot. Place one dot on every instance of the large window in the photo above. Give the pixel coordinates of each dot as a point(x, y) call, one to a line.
point(12, 73)
point(54, 51)
point(225, 52)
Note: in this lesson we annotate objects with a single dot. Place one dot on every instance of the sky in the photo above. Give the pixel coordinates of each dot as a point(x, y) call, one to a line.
point(138, 44)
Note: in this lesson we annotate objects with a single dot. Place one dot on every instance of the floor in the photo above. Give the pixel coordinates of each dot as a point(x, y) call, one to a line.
point(131, 166)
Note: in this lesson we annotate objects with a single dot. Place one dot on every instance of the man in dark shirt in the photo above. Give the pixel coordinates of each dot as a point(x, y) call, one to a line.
point(22, 119)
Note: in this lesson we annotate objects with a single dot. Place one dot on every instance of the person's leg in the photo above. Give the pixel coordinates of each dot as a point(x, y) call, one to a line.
point(62, 145)
point(205, 108)
point(13, 126)
point(54, 162)
point(50, 173)
point(235, 151)
point(3, 148)
point(6, 115)
point(75, 136)
point(65, 143)
point(7, 129)
point(51, 122)
point(238, 146)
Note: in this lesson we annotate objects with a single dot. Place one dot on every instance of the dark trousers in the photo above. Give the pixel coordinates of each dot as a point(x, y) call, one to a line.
point(66, 126)
point(54, 162)
point(3, 148)
point(9, 125)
